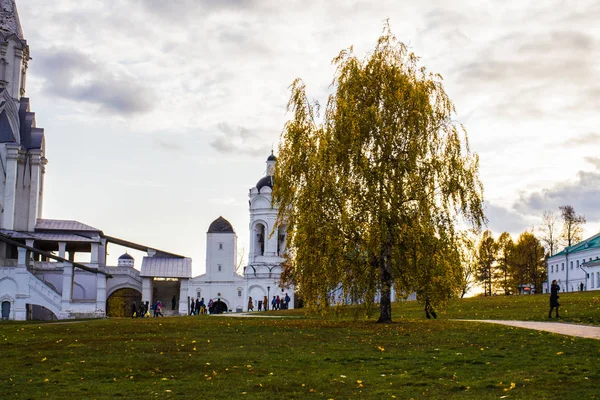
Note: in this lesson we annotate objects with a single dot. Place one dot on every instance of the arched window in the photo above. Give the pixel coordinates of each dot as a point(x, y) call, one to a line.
point(259, 244)
point(3, 66)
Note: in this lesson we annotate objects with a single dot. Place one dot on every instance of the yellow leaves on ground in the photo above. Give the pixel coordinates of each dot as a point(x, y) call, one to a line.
point(560, 353)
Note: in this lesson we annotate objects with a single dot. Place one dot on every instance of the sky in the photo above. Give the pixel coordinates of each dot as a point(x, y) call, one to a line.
point(159, 115)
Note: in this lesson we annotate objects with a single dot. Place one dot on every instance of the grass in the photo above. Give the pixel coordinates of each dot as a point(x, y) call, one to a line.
point(576, 307)
point(331, 357)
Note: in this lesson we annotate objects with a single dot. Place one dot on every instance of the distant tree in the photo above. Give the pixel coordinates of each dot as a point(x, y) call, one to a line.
point(529, 262)
point(572, 225)
point(468, 252)
point(504, 261)
point(486, 259)
point(549, 232)
point(373, 194)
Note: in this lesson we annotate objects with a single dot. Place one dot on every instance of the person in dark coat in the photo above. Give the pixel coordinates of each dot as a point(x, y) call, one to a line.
point(133, 310)
point(554, 289)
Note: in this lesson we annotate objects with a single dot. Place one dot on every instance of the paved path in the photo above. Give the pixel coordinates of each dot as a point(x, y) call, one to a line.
point(584, 331)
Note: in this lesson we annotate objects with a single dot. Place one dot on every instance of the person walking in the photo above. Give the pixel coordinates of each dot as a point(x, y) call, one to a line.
point(133, 310)
point(192, 306)
point(554, 289)
point(287, 301)
point(250, 304)
point(159, 308)
point(266, 303)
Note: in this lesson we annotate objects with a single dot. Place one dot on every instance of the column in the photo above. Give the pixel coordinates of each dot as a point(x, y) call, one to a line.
point(40, 202)
point(22, 261)
point(94, 254)
point(102, 252)
point(15, 83)
point(62, 249)
point(67, 290)
point(101, 295)
point(34, 189)
point(12, 155)
point(147, 289)
point(183, 296)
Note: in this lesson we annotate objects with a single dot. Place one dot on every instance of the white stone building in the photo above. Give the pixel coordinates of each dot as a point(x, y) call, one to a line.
point(576, 268)
point(261, 277)
point(42, 275)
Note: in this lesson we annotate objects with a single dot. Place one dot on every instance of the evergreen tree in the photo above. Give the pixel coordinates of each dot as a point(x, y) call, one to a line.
point(486, 255)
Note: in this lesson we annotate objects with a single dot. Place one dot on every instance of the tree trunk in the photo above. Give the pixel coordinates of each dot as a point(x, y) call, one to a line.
point(385, 302)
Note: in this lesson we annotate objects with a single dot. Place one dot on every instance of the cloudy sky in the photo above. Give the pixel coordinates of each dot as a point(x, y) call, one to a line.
point(159, 115)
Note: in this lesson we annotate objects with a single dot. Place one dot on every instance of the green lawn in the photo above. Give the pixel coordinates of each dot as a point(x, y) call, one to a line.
point(331, 357)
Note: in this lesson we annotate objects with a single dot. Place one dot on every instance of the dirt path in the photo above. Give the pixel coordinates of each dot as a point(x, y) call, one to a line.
point(584, 331)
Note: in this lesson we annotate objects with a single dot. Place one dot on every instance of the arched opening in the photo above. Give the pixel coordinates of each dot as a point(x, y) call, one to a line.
point(36, 312)
point(218, 307)
point(281, 241)
point(5, 310)
point(259, 246)
point(120, 301)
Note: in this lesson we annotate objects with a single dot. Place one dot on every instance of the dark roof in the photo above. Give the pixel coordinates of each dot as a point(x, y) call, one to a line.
point(265, 181)
point(63, 225)
point(220, 225)
point(126, 256)
point(272, 157)
point(30, 137)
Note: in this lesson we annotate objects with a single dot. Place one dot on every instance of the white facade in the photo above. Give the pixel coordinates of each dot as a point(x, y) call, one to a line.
point(577, 267)
point(261, 277)
point(39, 278)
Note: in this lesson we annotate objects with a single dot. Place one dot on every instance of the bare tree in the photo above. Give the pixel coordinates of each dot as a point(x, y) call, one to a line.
point(572, 225)
point(549, 232)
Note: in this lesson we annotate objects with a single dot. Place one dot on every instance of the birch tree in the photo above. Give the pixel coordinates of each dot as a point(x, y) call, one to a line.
point(372, 193)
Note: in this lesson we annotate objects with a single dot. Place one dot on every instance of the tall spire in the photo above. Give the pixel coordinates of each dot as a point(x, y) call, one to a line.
point(9, 18)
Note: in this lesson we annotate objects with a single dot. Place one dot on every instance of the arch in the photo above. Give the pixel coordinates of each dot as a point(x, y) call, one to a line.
point(260, 202)
point(126, 285)
point(119, 303)
point(78, 291)
point(260, 237)
point(8, 285)
point(5, 309)
point(219, 306)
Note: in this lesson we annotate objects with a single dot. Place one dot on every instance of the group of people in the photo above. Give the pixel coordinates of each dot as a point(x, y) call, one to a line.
point(144, 309)
point(198, 307)
point(277, 303)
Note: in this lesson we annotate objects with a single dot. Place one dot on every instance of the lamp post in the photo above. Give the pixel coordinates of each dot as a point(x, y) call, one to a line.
point(268, 295)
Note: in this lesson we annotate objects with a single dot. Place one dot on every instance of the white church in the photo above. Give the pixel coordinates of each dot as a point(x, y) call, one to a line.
point(39, 275)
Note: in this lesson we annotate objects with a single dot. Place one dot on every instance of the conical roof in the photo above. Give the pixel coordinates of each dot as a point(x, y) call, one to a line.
point(9, 18)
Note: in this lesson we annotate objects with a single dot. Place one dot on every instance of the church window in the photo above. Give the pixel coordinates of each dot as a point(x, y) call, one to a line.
point(220, 246)
point(571, 264)
point(219, 267)
point(259, 247)
point(199, 295)
point(239, 293)
point(577, 263)
point(552, 268)
point(3, 65)
point(562, 266)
